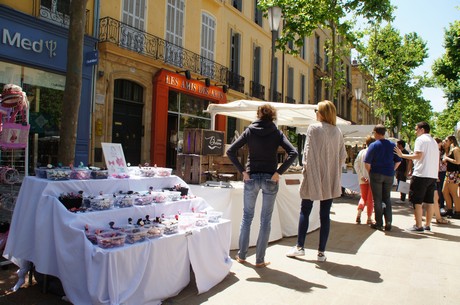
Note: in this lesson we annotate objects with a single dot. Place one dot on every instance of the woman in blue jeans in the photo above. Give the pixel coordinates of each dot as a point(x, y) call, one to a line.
point(261, 173)
point(323, 157)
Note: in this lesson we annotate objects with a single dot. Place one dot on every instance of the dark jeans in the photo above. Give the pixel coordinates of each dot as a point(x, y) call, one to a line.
point(381, 192)
point(439, 184)
point(304, 220)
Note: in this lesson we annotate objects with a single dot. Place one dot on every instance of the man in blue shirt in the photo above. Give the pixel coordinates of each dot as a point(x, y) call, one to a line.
point(381, 163)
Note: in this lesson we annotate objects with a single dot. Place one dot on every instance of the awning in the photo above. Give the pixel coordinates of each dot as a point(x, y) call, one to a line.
point(294, 115)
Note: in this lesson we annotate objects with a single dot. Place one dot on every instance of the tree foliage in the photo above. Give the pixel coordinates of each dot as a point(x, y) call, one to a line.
point(73, 84)
point(446, 69)
point(391, 60)
point(302, 17)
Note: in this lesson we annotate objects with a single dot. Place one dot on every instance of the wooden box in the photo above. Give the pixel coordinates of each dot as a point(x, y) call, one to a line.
point(192, 168)
point(203, 142)
point(223, 165)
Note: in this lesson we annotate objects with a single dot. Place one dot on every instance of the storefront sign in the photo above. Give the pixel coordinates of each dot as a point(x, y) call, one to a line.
point(38, 46)
point(91, 58)
point(193, 87)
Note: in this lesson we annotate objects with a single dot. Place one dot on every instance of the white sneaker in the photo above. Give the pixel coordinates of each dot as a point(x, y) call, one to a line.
point(321, 257)
point(295, 251)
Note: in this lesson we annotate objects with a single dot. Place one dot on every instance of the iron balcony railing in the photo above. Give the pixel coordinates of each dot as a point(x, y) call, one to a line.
point(235, 81)
point(278, 97)
point(59, 13)
point(257, 90)
point(290, 100)
point(128, 37)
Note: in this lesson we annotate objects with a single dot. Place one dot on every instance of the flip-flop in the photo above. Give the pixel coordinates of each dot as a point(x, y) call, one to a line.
point(443, 221)
point(264, 264)
point(239, 260)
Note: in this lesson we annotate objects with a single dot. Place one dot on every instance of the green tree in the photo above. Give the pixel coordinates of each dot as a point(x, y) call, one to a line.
point(73, 84)
point(391, 60)
point(302, 17)
point(446, 69)
point(446, 74)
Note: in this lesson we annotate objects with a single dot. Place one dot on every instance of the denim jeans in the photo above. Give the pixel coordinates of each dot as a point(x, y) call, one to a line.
point(381, 192)
point(259, 181)
point(304, 221)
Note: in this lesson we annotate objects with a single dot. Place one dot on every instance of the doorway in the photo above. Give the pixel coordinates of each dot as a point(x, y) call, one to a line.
point(127, 128)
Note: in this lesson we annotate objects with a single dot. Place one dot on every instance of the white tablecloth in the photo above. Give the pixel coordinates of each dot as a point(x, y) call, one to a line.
point(44, 232)
point(285, 217)
point(350, 181)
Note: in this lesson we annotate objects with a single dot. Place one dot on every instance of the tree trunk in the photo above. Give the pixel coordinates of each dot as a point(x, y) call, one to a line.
point(72, 91)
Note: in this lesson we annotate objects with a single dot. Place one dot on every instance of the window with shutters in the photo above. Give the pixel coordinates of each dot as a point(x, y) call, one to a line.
point(133, 26)
point(174, 31)
point(208, 32)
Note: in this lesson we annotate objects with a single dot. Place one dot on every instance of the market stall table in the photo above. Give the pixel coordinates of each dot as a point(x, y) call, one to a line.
point(44, 232)
point(285, 218)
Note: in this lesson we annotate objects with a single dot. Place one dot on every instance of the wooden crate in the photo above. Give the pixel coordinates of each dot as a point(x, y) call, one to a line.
point(223, 165)
point(203, 142)
point(192, 168)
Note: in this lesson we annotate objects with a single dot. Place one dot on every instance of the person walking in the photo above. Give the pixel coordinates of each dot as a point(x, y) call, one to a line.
point(441, 176)
point(323, 157)
point(452, 180)
point(261, 172)
point(366, 199)
point(424, 175)
point(403, 170)
point(381, 163)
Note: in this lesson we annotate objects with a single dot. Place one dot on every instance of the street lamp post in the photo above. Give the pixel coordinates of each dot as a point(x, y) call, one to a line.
point(358, 93)
point(274, 18)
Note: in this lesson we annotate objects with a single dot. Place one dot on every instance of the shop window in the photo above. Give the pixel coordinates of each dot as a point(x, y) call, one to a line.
point(45, 92)
point(187, 112)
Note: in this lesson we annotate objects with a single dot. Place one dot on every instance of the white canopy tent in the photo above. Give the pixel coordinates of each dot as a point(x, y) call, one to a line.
point(294, 115)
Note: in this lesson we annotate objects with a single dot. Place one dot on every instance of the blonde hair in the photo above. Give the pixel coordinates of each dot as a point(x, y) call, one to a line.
point(328, 112)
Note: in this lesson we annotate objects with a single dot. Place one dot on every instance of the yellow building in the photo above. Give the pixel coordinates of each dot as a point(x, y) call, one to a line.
point(160, 63)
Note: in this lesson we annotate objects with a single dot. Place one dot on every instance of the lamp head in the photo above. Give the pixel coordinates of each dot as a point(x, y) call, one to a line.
point(274, 17)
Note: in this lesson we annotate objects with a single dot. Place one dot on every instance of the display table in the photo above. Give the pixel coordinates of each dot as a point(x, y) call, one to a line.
point(45, 233)
point(350, 181)
point(285, 218)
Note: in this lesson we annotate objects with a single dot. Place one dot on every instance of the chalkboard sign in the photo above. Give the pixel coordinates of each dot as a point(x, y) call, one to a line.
point(203, 142)
point(212, 143)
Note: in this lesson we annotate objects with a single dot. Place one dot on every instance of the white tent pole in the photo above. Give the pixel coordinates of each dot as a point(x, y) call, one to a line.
point(213, 121)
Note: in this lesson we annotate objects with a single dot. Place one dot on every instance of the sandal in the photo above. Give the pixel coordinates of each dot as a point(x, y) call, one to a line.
point(239, 260)
point(443, 221)
point(358, 219)
point(369, 221)
point(264, 264)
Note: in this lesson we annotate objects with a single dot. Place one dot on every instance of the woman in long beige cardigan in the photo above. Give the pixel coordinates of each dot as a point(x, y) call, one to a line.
point(324, 155)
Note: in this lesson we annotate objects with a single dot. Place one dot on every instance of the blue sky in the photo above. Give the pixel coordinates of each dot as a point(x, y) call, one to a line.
point(428, 18)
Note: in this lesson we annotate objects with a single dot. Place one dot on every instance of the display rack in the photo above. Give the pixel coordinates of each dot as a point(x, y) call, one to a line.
point(14, 139)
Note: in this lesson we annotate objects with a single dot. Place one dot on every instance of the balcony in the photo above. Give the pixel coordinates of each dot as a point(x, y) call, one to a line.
point(59, 13)
point(278, 97)
point(257, 90)
point(318, 60)
point(235, 81)
point(128, 37)
point(290, 100)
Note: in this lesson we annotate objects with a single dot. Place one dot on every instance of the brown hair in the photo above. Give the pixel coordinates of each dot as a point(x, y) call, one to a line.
point(266, 112)
point(380, 129)
point(369, 140)
point(328, 112)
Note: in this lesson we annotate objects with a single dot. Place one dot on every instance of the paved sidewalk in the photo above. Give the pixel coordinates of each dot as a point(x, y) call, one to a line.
point(364, 266)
